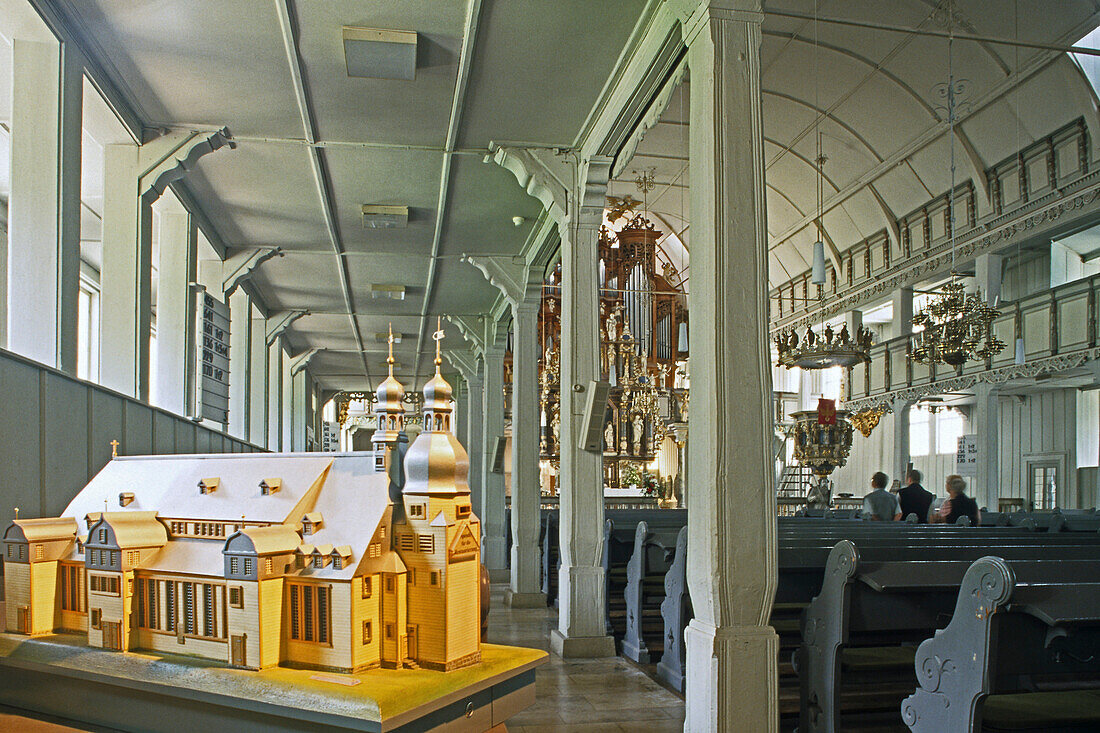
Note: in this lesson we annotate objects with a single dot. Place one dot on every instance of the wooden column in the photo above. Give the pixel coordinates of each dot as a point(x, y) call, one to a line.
point(731, 650)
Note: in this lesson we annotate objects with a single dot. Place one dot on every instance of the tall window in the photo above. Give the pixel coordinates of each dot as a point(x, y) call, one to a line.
point(309, 612)
point(146, 603)
point(87, 333)
point(72, 588)
point(950, 426)
point(920, 432)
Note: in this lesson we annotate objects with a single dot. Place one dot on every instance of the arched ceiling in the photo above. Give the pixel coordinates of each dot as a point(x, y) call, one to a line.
point(875, 97)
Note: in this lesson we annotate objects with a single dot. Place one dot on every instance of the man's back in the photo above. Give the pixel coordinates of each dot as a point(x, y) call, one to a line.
point(915, 499)
point(880, 504)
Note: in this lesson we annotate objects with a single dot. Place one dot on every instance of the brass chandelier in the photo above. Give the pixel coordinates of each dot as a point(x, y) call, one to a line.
point(957, 325)
point(820, 351)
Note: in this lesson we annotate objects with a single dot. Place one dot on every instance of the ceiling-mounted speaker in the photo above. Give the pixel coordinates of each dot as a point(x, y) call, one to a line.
point(818, 275)
point(378, 53)
point(595, 410)
point(385, 217)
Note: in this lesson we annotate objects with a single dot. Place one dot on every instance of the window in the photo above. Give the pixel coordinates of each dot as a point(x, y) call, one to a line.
point(189, 608)
point(236, 597)
point(367, 632)
point(39, 552)
point(87, 329)
point(132, 558)
point(209, 621)
point(307, 527)
point(269, 566)
point(234, 566)
point(367, 586)
point(375, 550)
point(337, 562)
point(1044, 485)
point(389, 631)
point(920, 438)
point(435, 577)
point(170, 605)
point(382, 532)
point(96, 618)
point(106, 584)
point(22, 552)
point(102, 536)
point(406, 542)
point(72, 588)
point(462, 511)
point(146, 603)
point(416, 511)
point(426, 543)
point(309, 612)
point(389, 584)
point(11, 551)
point(248, 566)
point(319, 561)
point(950, 425)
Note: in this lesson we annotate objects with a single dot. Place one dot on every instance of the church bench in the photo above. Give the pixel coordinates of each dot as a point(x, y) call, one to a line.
point(653, 554)
point(1021, 652)
point(876, 599)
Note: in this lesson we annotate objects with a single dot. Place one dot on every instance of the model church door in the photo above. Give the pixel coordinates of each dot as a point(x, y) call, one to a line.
point(23, 620)
point(237, 651)
point(112, 635)
point(412, 642)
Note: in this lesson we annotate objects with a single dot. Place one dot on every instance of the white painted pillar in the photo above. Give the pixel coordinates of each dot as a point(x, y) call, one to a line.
point(43, 259)
point(126, 278)
point(493, 548)
point(986, 424)
point(524, 589)
point(176, 311)
point(854, 321)
point(461, 417)
point(902, 324)
point(299, 407)
point(901, 452)
point(987, 271)
point(240, 363)
point(475, 397)
point(257, 386)
point(275, 395)
point(731, 564)
point(582, 630)
point(286, 397)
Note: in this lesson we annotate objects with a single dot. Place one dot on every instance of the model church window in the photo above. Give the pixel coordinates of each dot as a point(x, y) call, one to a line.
point(234, 566)
point(236, 597)
point(367, 632)
point(434, 580)
point(39, 552)
point(426, 543)
point(102, 536)
point(248, 566)
point(270, 486)
point(72, 588)
point(367, 590)
point(309, 612)
point(96, 616)
point(208, 485)
point(406, 542)
point(311, 523)
point(125, 498)
point(462, 511)
point(417, 511)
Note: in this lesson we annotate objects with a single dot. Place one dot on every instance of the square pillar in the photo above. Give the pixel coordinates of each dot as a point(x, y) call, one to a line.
point(175, 377)
point(126, 278)
point(524, 588)
point(987, 272)
point(286, 408)
point(493, 546)
point(986, 425)
point(474, 444)
point(902, 324)
point(901, 454)
point(275, 395)
point(43, 253)
point(299, 407)
point(582, 630)
point(732, 674)
point(240, 363)
point(257, 386)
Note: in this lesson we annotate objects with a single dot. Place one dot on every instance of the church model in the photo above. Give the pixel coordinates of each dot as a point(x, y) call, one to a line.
point(334, 561)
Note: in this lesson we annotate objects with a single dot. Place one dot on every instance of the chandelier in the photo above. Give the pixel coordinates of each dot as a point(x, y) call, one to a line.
point(822, 440)
point(956, 326)
point(820, 351)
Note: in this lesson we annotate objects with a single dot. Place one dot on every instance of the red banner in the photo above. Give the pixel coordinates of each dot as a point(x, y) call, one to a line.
point(826, 412)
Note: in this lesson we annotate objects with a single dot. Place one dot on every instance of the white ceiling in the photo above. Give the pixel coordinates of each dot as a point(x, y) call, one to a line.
point(872, 94)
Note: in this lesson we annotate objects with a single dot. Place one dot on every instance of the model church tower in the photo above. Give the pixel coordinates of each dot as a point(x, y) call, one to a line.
point(389, 410)
point(439, 542)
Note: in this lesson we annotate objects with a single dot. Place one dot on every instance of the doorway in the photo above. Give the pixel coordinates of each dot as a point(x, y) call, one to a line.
point(1043, 480)
point(112, 635)
point(412, 642)
point(237, 651)
point(23, 619)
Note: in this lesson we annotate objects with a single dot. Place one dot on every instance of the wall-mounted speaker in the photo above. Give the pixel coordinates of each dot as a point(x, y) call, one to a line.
point(595, 410)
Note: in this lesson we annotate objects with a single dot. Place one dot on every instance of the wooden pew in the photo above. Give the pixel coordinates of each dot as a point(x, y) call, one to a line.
point(879, 597)
point(1022, 647)
point(653, 553)
point(676, 614)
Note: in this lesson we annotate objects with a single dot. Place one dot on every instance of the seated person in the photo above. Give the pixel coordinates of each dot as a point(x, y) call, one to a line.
point(958, 504)
point(880, 505)
point(914, 498)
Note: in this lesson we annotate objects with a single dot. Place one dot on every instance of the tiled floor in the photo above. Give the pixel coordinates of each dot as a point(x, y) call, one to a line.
point(583, 696)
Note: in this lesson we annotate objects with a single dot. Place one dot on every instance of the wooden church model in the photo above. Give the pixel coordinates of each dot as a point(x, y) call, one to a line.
point(334, 561)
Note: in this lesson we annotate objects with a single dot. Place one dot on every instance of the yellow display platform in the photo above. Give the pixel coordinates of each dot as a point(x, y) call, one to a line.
point(149, 691)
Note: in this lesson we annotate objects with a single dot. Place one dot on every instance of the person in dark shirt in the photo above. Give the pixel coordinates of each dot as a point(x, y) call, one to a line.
point(959, 504)
point(914, 498)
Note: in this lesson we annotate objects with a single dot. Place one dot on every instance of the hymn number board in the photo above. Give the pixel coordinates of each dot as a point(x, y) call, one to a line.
point(212, 352)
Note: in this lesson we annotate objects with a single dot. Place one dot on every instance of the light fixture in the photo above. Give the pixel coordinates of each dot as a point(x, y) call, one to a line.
point(817, 277)
point(385, 217)
point(382, 290)
point(380, 54)
point(956, 326)
point(821, 351)
point(384, 337)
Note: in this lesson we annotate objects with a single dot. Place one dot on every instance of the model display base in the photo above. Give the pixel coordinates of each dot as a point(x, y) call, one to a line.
point(147, 691)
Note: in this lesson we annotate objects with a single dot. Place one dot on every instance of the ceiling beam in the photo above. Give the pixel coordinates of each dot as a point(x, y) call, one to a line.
point(469, 38)
point(289, 27)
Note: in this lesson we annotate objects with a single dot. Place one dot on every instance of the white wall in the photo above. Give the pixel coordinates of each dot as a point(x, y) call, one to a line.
point(1041, 426)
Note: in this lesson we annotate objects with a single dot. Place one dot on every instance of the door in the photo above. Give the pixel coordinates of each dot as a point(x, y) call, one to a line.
point(1043, 482)
point(237, 652)
point(112, 635)
point(24, 620)
point(412, 642)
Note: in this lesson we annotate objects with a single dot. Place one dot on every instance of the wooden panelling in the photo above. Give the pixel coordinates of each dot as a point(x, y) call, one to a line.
point(1036, 332)
point(20, 451)
point(1033, 426)
point(164, 434)
point(65, 404)
point(139, 429)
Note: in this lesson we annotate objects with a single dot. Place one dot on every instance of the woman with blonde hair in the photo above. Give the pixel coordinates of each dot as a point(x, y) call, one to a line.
point(958, 504)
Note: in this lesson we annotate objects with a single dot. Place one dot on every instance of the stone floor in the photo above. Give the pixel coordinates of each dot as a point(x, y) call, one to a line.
point(573, 696)
point(583, 696)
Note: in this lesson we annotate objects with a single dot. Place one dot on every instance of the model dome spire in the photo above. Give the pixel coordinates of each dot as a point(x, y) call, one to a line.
point(389, 407)
point(436, 462)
